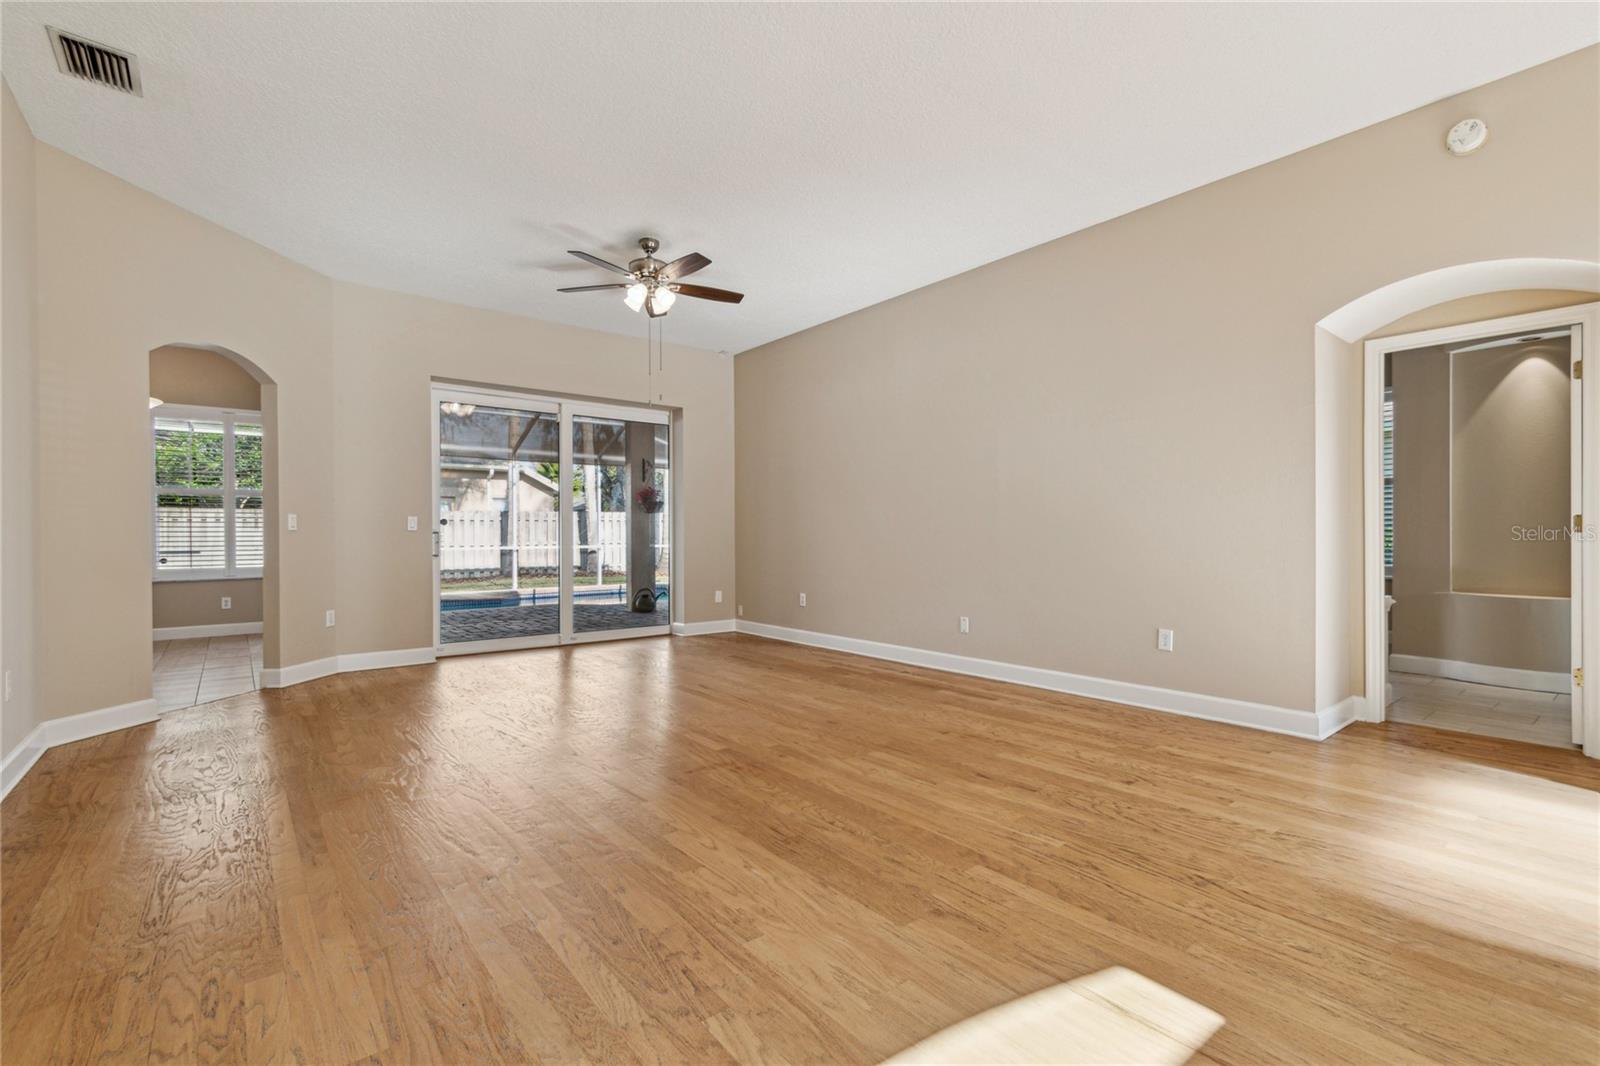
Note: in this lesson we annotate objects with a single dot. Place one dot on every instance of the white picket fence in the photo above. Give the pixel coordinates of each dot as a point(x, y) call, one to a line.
point(195, 538)
point(471, 540)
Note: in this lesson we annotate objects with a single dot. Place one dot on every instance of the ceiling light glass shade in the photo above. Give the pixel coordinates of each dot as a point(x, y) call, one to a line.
point(662, 299)
point(635, 297)
point(154, 403)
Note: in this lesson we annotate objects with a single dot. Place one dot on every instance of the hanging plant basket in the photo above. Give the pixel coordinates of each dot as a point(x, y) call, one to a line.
point(650, 500)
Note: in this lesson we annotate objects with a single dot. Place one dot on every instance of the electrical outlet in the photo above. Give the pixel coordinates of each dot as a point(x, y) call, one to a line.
point(966, 626)
point(329, 622)
point(802, 599)
point(741, 610)
point(294, 521)
point(411, 523)
point(1163, 640)
point(227, 603)
point(718, 597)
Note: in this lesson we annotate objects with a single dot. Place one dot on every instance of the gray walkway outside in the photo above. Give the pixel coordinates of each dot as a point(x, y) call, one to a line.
point(499, 623)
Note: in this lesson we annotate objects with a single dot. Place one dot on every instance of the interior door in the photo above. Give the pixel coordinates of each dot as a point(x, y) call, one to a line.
point(1583, 526)
point(497, 521)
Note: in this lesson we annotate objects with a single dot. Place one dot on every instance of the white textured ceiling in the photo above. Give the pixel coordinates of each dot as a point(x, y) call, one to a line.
point(824, 157)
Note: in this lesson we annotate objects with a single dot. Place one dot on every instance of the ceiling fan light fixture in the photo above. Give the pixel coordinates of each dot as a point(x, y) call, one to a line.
point(635, 296)
point(662, 299)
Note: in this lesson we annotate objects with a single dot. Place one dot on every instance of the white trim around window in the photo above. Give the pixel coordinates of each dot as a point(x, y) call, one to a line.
point(227, 492)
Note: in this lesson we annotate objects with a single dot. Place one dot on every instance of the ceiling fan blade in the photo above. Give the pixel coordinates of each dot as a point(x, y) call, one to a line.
point(597, 261)
point(706, 292)
point(593, 288)
point(683, 266)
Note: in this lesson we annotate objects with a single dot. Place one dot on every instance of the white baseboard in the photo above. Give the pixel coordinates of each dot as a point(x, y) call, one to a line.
point(1332, 719)
point(221, 629)
point(21, 759)
point(1314, 726)
point(1478, 673)
point(383, 660)
point(74, 727)
point(700, 629)
point(298, 673)
point(351, 662)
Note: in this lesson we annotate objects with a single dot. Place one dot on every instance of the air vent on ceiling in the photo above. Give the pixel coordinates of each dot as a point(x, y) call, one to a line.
point(85, 59)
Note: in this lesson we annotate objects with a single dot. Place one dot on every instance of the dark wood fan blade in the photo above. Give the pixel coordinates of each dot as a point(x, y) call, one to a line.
point(594, 288)
point(706, 292)
point(683, 266)
point(597, 261)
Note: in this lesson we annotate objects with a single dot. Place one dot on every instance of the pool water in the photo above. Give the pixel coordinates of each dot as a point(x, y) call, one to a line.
point(615, 594)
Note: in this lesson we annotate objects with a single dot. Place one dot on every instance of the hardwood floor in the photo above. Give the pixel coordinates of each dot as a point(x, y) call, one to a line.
point(726, 848)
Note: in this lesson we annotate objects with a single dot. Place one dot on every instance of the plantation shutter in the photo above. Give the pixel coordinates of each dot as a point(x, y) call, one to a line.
point(1388, 482)
point(208, 495)
point(191, 531)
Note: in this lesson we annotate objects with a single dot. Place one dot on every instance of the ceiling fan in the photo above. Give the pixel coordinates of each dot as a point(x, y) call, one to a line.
point(652, 284)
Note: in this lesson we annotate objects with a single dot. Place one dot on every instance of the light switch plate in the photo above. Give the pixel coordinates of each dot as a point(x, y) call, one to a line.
point(294, 521)
point(411, 523)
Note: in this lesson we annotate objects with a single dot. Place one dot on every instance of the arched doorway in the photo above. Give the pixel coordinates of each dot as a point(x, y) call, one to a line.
point(1351, 648)
point(213, 555)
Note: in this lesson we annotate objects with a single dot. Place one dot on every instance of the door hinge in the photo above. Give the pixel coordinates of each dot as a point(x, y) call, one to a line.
point(1577, 676)
point(1577, 370)
point(1577, 523)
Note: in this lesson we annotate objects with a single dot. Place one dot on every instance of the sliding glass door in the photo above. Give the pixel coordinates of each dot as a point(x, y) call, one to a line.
point(620, 557)
point(552, 521)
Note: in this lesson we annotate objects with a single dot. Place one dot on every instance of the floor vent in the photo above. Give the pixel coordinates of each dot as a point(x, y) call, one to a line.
point(84, 59)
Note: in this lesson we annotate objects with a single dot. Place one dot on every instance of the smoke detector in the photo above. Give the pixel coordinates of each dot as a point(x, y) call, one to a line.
point(92, 61)
point(1466, 136)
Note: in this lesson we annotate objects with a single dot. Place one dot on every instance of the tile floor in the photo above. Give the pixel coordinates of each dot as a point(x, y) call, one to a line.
point(1461, 706)
point(203, 669)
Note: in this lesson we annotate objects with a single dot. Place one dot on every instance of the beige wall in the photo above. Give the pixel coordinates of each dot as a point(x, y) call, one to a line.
point(18, 397)
point(199, 603)
point(202, 378)
point(1135, 405)
point(1512, 458)
point(1511, 462)
point(174, 278)
point(346, 368)
point(390, 346)
point(1340, 657)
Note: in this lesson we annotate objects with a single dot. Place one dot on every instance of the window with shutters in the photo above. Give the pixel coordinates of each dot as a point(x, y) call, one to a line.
point(207, 499)
point(1388, 483)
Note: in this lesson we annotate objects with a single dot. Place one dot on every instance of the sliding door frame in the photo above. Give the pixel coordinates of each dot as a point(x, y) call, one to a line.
point(622, 412)
point(565, 410)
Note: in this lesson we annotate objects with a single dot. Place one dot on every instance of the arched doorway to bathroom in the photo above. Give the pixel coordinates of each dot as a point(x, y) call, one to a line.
point(1489, 307)
point(209, 519)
